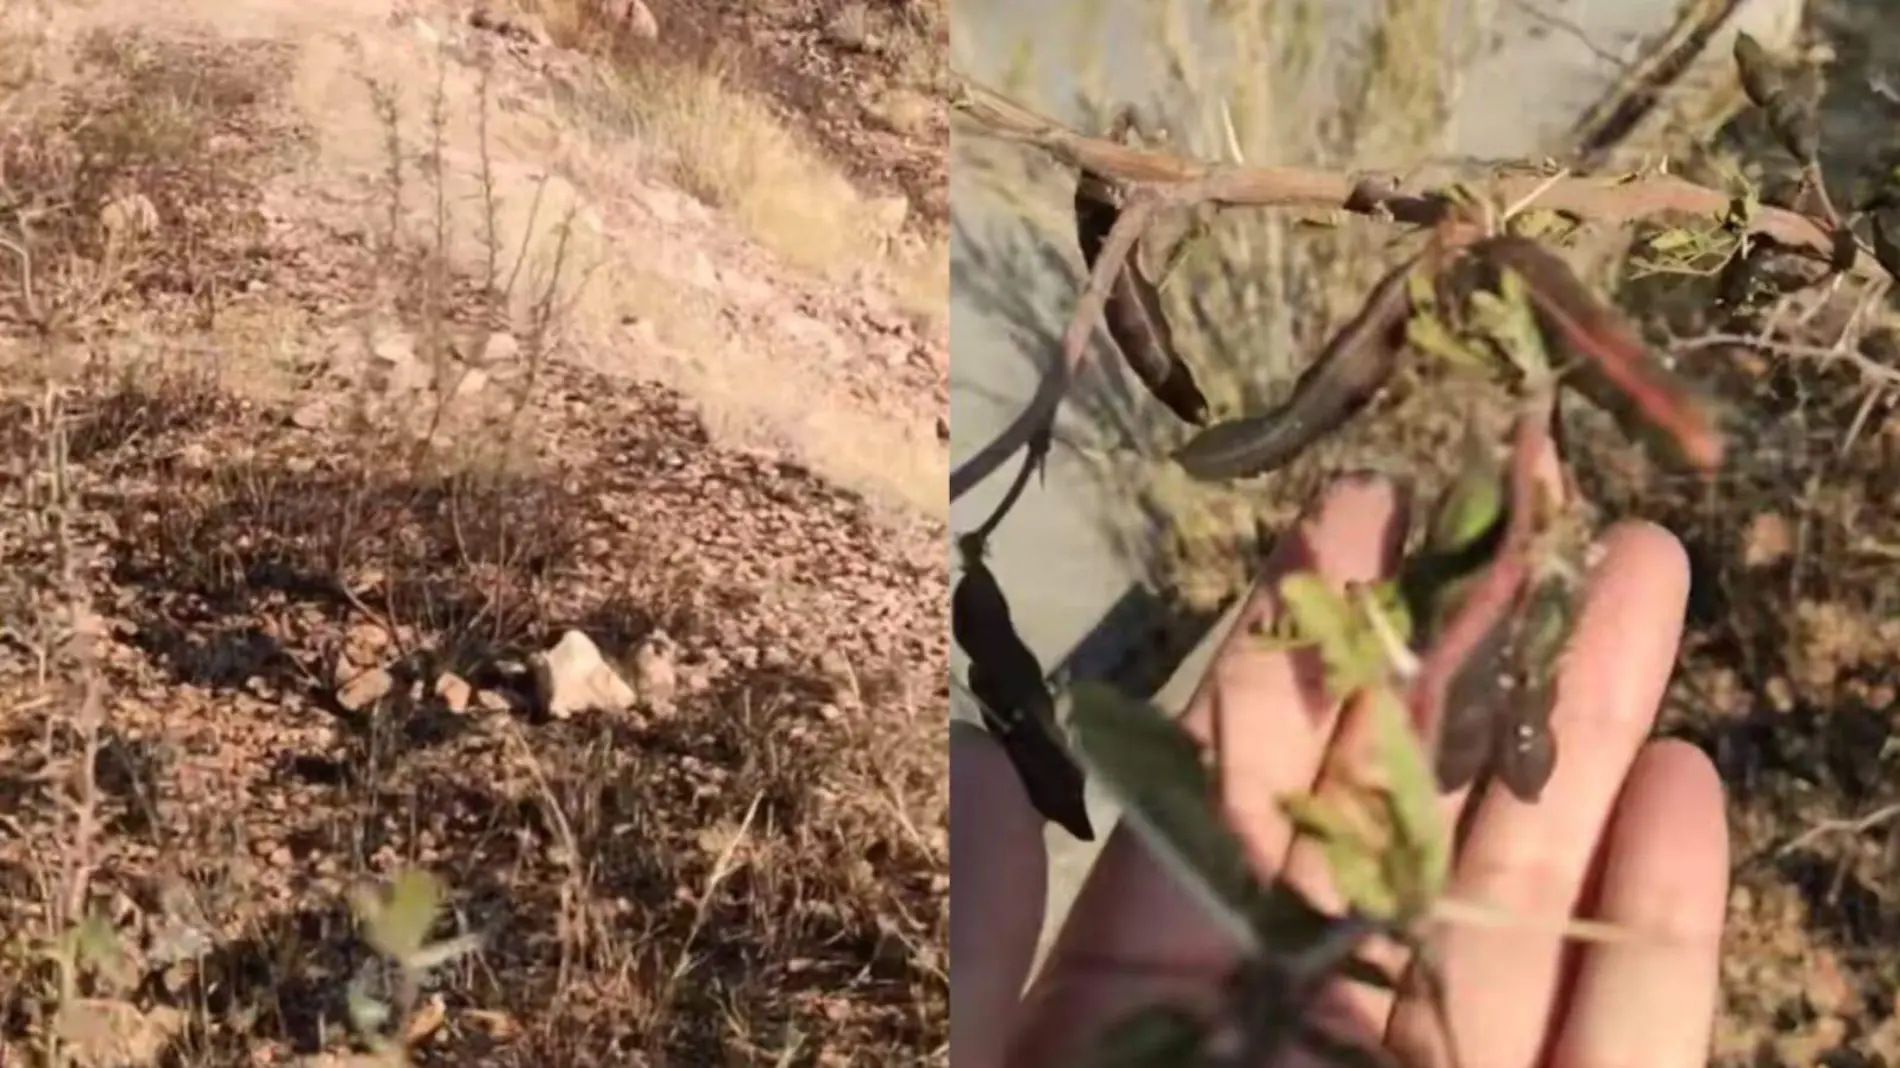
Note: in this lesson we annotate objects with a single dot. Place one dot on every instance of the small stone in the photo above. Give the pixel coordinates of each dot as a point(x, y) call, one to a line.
point(493, 701)
point(129, 217)
point(1827, 989)
point(573, 677)
point(395, 349)
point(473, 381)
point(887, 215)
point(633, 17)
point(501, 348)
point(397, 369)
point(365, 643)
point(1780, 694)
point(311, 416)
point(366, 689)
point(454, 691)
point(111, 1033)
point(1768, 540)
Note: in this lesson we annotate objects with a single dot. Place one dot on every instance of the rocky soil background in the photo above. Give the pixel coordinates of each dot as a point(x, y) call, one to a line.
point(431, 441)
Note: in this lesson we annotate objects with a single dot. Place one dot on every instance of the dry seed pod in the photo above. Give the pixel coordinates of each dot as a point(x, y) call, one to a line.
point(1133, 311)
point(1762, 78)
point(1612, 367)
point(1353, 367)
point(1786, 100)
point(1017, 708)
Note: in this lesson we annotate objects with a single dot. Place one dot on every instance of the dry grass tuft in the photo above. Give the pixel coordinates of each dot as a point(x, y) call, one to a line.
point(784, 146)
point(727, 147)
point(723, 143)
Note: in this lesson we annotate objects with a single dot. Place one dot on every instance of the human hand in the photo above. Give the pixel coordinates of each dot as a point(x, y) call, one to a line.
point(1628, 831)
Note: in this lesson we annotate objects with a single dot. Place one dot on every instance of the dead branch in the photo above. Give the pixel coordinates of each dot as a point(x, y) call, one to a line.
point(1611, 199)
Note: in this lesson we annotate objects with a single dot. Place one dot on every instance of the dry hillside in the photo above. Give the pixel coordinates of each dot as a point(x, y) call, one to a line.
point(353, 355)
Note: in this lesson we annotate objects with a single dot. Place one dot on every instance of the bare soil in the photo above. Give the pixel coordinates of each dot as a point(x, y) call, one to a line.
point(278, 413)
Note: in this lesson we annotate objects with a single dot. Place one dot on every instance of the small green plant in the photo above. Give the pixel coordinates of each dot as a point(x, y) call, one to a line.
point(396, 922)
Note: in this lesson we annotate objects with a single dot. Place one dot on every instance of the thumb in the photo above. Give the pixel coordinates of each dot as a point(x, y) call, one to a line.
point(999, 876)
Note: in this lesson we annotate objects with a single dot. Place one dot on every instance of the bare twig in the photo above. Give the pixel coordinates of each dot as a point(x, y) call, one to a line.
point(1041, 412)
point(1871, 369)
point(1854, 826)
point(1604, 199)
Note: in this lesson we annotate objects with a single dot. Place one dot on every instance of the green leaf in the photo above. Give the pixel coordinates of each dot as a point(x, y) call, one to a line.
point(1353, 862)
point(1742, 210)
point(397, 924)
point(1349, 648)
point(1506, 318)
point(1459, 537)
point(1671, 240)
point(1155, 769)
point(1419, 832)
point(1542, 223)
point(1429, 334)
point(1314, 817)
point(1471, 505)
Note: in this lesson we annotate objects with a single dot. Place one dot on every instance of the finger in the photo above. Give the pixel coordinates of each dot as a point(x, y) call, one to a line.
point(1135, 935)
point(998, 875)
point(1351, 1009)
point(1530, 861)
point(1353, 744)
point(1651, 1001)
point(1265, 714)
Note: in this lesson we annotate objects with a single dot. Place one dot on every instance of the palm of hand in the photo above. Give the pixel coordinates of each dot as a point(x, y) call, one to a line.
point(1628, 831)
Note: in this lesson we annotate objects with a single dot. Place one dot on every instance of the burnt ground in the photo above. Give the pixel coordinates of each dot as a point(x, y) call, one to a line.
point(236, 800)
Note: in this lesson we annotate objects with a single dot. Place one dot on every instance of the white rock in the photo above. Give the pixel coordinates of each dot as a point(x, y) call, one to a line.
point(573, 677)
point(454, 691)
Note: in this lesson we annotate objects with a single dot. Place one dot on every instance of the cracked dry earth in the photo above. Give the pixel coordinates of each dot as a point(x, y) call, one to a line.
point(221, 517)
